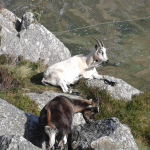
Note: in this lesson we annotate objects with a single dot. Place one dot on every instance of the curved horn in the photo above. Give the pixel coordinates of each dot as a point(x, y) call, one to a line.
point(97, 102)
point(99, 43)
point(102, 43)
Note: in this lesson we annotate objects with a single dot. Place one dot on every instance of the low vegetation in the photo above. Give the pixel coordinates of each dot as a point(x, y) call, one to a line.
point(19, 77)
point(25, 77)
point(135, 113)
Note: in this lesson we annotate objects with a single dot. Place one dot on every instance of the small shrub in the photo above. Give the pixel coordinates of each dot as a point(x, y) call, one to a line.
point(3, 59)
point(8, 59)
point(7, 81)
point(17, 99)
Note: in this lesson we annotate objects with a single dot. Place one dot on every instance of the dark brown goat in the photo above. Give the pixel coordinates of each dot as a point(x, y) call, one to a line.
point(56, 119)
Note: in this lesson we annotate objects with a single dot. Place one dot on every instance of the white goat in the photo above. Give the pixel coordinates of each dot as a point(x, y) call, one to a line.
point(69, 71)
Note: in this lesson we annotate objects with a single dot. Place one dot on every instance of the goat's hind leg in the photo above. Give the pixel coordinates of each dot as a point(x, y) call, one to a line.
point(65, 88)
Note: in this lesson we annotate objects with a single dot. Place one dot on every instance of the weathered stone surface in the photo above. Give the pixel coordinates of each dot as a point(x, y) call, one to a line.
point(12, 119)
point(45, 97)
point(40, 44)
point(27, 19)
point(10, 43)
point(4, 22)
point(35, 43)
point(15, 142)
point(117, 88)
point(104, 134)
point(16, 122)
point(11, 18)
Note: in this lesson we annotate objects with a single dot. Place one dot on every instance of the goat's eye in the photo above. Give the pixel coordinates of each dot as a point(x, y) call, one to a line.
point(102, 53)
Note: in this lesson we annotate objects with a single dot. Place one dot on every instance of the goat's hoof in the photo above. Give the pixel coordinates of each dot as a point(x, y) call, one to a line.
point(76, 93)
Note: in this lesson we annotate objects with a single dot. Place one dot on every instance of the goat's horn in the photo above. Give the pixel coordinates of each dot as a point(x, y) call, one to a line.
point(97, 102)
point(99, 43)
point(102, 43)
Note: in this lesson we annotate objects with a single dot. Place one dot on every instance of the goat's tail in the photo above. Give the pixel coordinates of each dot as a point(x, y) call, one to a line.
point(49, 118)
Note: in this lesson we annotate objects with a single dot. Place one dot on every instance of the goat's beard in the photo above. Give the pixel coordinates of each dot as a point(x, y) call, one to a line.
point(95, 64)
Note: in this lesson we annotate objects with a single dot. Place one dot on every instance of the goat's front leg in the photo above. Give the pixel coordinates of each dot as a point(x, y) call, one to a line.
point(61, 144)
point(100, 77)
point(97, 76)
point(44, 145)
point(70, 142)
point(51, 133)
point(64, 87)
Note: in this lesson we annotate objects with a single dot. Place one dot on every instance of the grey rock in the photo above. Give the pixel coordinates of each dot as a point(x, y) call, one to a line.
point(16, 142)
point(5, 141)
point(45, 97)
point(4, 22)
point(27, 19)
point(117, 88)
point(11, 18)
point(40, 44)
point(35, 43)
point(103, 134)
point(12, 119)
point(16, 122)
point(10, 43)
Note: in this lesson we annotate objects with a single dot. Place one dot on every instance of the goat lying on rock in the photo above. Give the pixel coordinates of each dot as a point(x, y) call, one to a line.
point(69, 71)
point(56, 119)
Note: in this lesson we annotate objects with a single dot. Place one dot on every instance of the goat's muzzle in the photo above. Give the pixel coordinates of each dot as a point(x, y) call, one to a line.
point(105, 62)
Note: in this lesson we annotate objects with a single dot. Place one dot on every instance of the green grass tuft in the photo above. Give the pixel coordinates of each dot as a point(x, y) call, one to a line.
point(135, 114)
point(17, 79)
point(16, 98)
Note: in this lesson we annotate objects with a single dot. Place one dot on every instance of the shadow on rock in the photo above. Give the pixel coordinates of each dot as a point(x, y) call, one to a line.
point(32, 130)
point(36, 79)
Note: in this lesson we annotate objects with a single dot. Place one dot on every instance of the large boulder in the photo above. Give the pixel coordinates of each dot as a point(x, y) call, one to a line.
point(107, 134)
point(19, 129)
point(35, 43)
point(16, 122)
point(16, 142)
point(117, 88)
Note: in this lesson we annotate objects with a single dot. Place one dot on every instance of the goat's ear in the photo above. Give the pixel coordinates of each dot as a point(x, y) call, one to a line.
point(96, 46)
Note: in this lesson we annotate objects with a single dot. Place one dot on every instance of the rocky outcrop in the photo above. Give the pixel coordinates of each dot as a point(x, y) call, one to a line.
point(117, 88)
point(16, 122)
point(107, 134)
point(34, 42)
point(20, 131)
